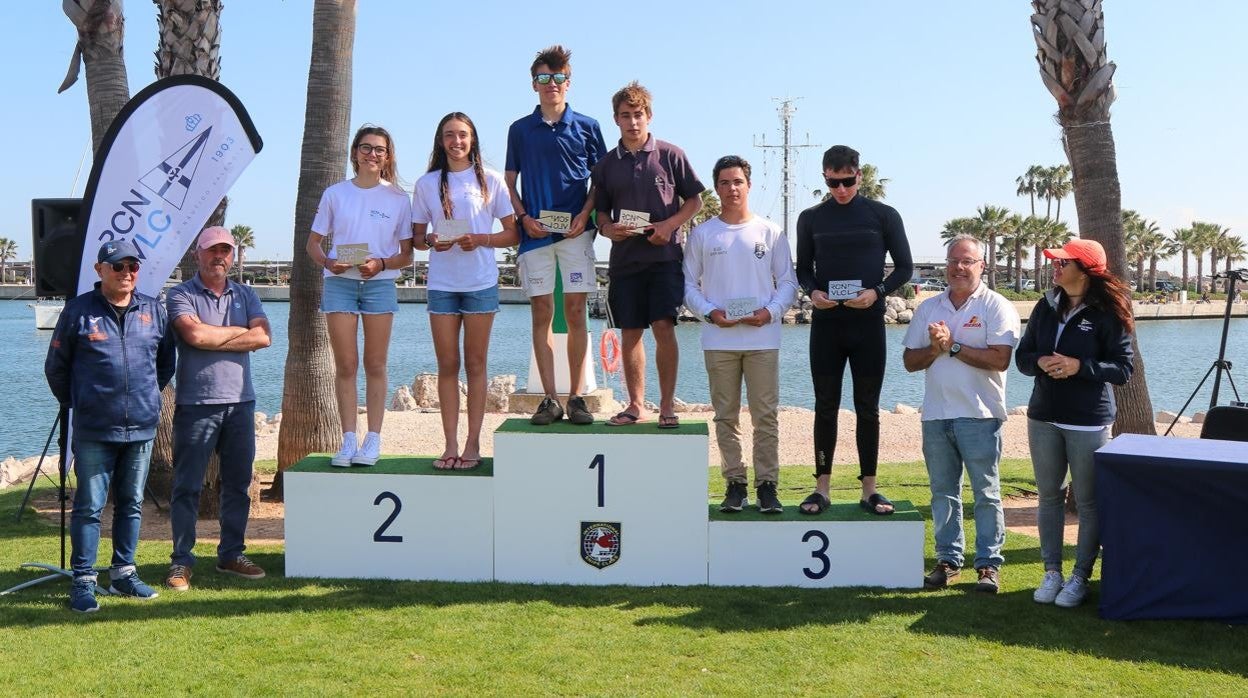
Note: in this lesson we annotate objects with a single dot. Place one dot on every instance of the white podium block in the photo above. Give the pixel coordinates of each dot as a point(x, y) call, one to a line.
point(398, 519)
point(845, 546)
point(600, 505)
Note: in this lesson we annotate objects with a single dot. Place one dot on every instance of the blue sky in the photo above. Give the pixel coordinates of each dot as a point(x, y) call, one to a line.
point(943, 97)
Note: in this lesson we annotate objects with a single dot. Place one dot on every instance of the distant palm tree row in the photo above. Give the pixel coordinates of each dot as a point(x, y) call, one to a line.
point(1013, 238)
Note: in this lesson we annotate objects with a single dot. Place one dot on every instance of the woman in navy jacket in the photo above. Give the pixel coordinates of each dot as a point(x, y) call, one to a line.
point(1077, 342)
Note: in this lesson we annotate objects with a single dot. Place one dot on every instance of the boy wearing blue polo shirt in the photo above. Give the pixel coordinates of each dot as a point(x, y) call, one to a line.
point(552, 151)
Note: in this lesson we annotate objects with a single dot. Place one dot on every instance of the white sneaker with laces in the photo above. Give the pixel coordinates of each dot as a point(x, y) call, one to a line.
point(1049, 588)
point(342, 459)
point(1073, 591)
point(369, 451)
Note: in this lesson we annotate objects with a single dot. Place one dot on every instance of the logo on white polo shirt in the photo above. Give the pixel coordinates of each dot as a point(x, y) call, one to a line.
point(760, 250)
point(973, 322)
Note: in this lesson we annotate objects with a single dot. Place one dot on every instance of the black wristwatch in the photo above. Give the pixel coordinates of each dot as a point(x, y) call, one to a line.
point(520, 216)
point(953, 350)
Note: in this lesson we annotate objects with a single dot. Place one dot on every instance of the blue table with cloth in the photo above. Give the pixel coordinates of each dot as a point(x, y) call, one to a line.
point(1174, 528)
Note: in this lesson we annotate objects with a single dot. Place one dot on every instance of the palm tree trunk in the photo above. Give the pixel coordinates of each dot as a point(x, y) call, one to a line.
point(1139, 274)
point(1018, 263)
point(1184, 268)
point(101, 36)
point(1098, 205)
point(1152, 273)
point(309, 409)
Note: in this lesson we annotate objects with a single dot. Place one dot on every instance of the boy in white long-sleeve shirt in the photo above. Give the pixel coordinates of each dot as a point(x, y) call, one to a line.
point(739, 277)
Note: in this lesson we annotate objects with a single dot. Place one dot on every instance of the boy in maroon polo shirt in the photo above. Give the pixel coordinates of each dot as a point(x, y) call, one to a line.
point(644, 191)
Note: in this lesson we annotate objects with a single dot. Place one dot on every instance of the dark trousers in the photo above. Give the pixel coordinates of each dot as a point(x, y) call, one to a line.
point(198, 431)
point(855, 338)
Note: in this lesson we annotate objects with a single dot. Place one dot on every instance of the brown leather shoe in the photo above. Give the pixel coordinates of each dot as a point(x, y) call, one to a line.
point(942, 575)
point(241, 567)
point(179, 578)
point(989, 580)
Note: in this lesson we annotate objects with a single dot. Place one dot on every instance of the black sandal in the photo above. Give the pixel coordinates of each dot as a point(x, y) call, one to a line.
point(877, 500)
point(817, 500)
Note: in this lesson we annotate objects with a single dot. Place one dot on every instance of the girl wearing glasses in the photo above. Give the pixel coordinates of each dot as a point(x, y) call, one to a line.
point(1077, 342)
point(369, 217)
point(454, 207)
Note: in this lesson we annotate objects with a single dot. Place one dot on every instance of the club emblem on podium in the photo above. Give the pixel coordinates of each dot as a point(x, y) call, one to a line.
point(600, 543)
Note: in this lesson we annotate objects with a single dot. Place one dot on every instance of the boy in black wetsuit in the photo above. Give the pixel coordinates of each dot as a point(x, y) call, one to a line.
point(841, 245)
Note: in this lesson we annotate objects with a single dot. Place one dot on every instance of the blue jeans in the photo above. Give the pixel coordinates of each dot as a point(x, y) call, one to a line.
point(1052, 450)
point(198, 430)
point(947, 445)
point(97, 464)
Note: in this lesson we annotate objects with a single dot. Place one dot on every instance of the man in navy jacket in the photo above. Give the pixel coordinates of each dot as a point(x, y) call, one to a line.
point(110, 356)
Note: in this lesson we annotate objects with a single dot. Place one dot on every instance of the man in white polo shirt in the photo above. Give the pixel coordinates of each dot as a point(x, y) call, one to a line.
point(964, 338)
point(739, 277)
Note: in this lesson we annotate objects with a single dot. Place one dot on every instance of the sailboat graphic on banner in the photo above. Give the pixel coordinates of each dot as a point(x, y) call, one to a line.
point(171, 179)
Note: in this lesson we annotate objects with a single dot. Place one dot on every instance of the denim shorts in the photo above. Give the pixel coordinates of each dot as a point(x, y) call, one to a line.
point(463, 302)
point(371, 297)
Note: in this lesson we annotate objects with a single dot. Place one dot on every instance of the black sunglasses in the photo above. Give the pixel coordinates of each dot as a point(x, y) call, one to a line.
point(545, 78)
point(847, 182)
point(132, 267)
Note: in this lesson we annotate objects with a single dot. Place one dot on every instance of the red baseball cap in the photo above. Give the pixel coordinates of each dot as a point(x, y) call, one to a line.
point(1089, 254)
point(215, 236)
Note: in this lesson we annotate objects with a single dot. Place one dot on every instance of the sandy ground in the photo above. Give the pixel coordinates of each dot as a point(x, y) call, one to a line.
point(419, 433)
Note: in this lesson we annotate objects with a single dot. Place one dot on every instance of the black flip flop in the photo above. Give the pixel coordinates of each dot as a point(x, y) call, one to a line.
point(669, 421)
point(818, 500)
point(623, 419)
point(875, 500)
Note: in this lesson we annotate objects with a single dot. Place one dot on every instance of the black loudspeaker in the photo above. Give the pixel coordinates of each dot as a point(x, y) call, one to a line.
point(58, 246)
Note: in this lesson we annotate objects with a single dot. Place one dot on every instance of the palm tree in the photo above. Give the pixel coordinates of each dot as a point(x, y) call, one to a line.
point(871, 186)
point(1017, 239)
point(1074, 66)
point(1058, 186)
point(309, 410)
point(1204, 236)
point(101, 26)
point(993, 223)
point(1182, 239)
point(1135, 233)
point(1029, 184)
point(8, 251)
point(1233, 250)
point(243, 238)
point(1217, 239)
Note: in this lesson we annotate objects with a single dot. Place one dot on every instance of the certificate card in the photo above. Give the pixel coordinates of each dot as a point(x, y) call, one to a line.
point(844, 290)
point(636, 220)
point(737, 308)
point(453, 229)
point(555, 221)
point(352, 254)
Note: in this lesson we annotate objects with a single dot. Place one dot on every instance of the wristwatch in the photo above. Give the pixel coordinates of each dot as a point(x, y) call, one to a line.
point(953, 350)
point(879, 290)
point(521, 216)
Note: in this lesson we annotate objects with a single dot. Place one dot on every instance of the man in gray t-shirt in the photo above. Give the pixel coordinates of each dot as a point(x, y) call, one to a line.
point(218, 323)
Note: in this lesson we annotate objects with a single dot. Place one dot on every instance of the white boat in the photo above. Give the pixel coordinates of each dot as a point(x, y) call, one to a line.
point(47, 313)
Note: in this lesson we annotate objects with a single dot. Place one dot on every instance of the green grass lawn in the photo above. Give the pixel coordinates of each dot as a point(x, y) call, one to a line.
point(292, 636)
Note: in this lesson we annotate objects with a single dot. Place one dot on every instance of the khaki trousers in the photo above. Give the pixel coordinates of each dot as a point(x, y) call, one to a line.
point(761, 371)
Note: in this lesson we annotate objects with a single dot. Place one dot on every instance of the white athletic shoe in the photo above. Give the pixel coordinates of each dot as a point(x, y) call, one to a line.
point(342, 459)
point(1073, 591)
point(370, 451)
point(1049, 588)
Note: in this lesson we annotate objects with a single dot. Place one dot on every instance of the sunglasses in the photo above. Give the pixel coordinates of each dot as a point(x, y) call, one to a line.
point(370, 149)
point(847, 182)
point(132, 267)
point(545, 78)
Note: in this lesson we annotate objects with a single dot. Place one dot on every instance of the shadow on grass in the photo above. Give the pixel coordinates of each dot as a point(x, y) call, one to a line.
point(1010, 618)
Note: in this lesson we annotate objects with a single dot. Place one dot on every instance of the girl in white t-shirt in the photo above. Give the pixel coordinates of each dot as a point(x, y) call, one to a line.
point(454, 207)
point(369, 217)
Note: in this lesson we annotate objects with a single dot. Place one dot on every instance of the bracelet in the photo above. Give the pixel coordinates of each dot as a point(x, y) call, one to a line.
point(383, 264)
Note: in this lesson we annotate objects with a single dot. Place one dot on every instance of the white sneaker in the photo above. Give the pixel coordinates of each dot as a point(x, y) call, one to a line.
point(342, 459)
point(370, 451)
point(1073, 591)
point(1049, 588)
